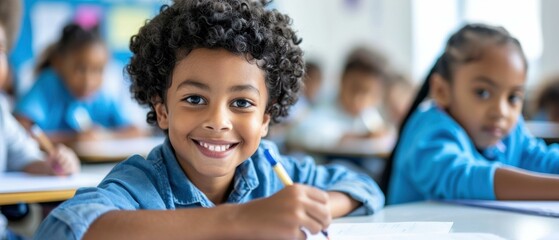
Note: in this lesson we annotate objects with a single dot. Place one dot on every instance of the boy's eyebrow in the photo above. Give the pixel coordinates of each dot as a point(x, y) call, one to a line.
point(246, 87)
point(196, 84)
point(193, 83)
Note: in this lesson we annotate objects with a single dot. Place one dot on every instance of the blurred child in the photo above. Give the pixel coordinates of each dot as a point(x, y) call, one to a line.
point(398, 97)
point(209, 71)
point(19, 152)
point(67, 100)
point(546, 107)
point(306, 101)
point(355, 114)
point(469, 141)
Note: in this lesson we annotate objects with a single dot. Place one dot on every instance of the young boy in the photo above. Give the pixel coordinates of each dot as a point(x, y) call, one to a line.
point(214, 74)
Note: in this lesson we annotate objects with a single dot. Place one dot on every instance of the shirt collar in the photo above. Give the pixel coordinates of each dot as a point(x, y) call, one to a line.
point(185, 193)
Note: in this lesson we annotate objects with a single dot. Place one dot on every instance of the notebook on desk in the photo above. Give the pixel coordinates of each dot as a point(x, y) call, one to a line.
point(541, 208)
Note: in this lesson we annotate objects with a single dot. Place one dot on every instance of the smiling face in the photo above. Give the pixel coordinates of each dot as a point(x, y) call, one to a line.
point(214, 112)
point(486, 95)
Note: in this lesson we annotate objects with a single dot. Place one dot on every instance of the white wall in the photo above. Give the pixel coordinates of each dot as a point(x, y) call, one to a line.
point(330, 28)
point(550, 56)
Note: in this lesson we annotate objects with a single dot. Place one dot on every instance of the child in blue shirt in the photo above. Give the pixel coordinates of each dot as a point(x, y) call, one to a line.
point(67, 100)
point(215, 74)
point(469, 141)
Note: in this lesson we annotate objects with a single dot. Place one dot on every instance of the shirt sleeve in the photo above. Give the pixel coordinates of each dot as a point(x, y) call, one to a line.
point(536, 155)
point(442, 164)
point(21, 148)
point(127, 182)
point(336, 178)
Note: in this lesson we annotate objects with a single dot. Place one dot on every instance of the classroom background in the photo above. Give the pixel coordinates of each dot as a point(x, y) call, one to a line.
point(410, 32)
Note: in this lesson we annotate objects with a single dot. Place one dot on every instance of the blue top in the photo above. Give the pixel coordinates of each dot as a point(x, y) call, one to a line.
point(52, 106)
point(159, 183)
point(436, 159)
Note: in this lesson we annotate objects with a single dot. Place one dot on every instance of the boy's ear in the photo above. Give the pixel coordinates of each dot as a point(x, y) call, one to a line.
point(265, 125)
point(162, 118)
point(440, 90)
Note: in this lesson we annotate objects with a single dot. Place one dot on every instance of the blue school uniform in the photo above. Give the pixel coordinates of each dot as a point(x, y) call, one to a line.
point(53, 107)
point(436, 159)
point(159, 183)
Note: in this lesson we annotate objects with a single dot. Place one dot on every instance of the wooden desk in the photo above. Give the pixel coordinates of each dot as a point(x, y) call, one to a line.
point(62, 188)
point(115, 149)
point(505, 224)
point(548, 131)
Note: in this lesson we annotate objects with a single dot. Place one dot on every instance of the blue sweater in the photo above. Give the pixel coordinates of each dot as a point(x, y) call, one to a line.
point(436, 159)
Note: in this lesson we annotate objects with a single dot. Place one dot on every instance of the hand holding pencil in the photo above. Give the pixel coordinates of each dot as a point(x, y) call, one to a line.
point(61, 159)
point(284, 177)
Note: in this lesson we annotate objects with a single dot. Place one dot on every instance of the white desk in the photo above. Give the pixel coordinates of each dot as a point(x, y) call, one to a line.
point(115, 149)
point(547, 131)
point(505, 224)
point(14, 188)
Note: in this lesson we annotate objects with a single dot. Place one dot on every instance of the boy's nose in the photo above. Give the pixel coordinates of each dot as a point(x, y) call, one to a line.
point(218, 119)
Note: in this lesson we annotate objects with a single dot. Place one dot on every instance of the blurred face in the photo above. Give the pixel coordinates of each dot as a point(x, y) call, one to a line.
point(214, 113)
point(312, 84)
point(3, 57)
point(486, 95)
point(359, 91)
point(82, 70)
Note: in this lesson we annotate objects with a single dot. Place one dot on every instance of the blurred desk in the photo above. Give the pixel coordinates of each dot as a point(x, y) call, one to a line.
point(548, 131)
point(115, 149)
point(18, 187)
point(505, 224)
point(378, 147)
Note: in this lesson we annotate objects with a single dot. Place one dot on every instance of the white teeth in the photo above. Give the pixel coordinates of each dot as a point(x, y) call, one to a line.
point(215, 148)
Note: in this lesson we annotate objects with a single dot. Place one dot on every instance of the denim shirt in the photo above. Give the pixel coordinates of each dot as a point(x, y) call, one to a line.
point(158, 183)
point(436, 159)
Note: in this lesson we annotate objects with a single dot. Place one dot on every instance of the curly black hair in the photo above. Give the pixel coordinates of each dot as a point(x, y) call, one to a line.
point(242, 27)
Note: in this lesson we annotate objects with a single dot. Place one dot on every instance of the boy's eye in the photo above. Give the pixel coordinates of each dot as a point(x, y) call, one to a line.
point(482, 93)
point(242, 103)
point(196, 100)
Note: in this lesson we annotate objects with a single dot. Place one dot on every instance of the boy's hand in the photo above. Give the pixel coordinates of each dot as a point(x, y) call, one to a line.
point(282, 215)
point(63, 161)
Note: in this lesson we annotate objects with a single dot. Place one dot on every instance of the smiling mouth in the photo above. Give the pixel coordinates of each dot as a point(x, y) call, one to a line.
point(214, 149)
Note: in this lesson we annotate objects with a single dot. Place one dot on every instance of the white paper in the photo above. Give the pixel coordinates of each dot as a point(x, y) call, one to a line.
point(367, 230)
point(424, 236)
point(12, 182)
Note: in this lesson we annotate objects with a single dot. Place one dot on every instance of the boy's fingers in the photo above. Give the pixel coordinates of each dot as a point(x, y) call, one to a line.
point(320, 214)
point(317, 195)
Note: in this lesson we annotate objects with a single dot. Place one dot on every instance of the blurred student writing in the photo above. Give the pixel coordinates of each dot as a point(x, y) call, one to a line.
point(67, 100)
